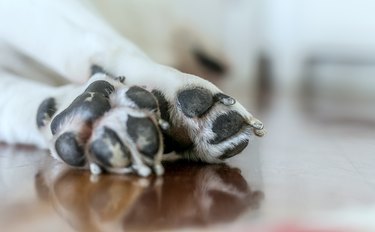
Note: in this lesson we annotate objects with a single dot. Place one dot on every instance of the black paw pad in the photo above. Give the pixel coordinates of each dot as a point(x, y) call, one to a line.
point(69, 150)
point(142, 98)
point(102, 87)
point(195, 102)
point(109, 150)
point(45, 112)
point(144, 134)
point(88, 107)
point(164, 105)
point(235, 150)
point(227, 125)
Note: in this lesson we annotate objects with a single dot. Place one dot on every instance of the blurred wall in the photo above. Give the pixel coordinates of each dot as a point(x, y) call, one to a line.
point(296, 29)
point(225, 30)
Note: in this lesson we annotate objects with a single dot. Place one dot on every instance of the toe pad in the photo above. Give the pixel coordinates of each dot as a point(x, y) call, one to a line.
point(69, 150)
point(195, 102)
point(227, 125)
point(144, 134)
point(109, 150)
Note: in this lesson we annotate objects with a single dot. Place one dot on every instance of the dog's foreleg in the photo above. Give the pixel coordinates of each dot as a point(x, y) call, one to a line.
point(63, 35)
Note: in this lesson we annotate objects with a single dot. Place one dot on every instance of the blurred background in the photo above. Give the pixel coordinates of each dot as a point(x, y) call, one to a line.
point(306, 68)
point(323, 49)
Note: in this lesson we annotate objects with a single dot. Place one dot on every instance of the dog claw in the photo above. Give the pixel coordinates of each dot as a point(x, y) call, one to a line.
point(164, 125)
point(228, 101)
point(95, 169)
point(258, 127)
point(225, 99)
point(159, 170)
point(143, 171)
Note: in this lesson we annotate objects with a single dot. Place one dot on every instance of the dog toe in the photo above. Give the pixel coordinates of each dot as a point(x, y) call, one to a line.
point(142, 98)
point(238, 148)
point(227, 125)
point(69, 149)
point(195, 102)
point(144, 134)
point(108, 150)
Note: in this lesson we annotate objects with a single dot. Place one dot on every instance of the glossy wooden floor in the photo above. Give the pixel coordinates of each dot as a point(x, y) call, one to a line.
point(303, 174)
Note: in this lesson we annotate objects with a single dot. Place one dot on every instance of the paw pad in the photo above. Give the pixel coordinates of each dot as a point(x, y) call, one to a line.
point(88, 106)
point(227, 125)
point(109, 151)
point(69, 150)
point(195, 102)
point(45, 112)
point(234, 150)
point(144, 134)
point(142, 98)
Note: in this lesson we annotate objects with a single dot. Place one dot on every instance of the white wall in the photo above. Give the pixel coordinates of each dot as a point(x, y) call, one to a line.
point(228, 27)
point(294, 29)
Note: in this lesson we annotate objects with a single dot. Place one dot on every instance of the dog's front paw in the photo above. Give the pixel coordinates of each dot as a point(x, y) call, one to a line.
point(106, 126)
point(205, 124)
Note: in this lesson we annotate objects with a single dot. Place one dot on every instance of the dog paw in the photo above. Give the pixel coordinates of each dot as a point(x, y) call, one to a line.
point(107, 125)
point(205, 124)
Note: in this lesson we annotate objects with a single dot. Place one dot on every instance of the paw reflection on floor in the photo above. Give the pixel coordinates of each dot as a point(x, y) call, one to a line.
point(188, 195)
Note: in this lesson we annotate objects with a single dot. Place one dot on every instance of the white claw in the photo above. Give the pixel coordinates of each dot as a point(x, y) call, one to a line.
point(164, 125)
point(228, 101)
point(159, 170)
point(142, 170)
point(258, 127)
point(260, 133)
point(256, 124)
point(95, 169)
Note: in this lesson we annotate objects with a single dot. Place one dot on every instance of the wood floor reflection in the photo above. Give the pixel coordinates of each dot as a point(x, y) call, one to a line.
point(188, 195)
